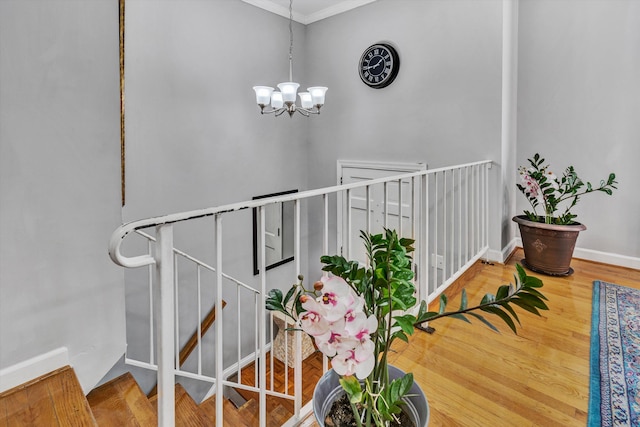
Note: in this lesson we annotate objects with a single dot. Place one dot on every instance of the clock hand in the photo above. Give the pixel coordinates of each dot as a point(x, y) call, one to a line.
point(373, 66)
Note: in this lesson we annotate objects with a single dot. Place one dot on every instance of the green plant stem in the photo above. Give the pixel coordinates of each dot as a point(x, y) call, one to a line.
point(466, 310)
point(356, 414)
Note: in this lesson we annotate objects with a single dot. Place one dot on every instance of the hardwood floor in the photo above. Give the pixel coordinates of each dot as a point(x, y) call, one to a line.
point(473, 376)
point(54, 399)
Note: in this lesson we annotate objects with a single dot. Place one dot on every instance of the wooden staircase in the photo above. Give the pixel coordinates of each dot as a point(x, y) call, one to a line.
point(56, 399)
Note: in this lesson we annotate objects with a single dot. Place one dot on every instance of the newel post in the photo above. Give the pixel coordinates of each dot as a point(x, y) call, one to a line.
point(165, 333)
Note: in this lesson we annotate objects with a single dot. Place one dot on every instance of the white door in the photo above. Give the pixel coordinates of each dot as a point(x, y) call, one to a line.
point(401, 203)
point(273, 233)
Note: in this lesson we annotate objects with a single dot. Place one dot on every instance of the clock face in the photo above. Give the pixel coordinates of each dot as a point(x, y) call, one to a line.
point(379, 65)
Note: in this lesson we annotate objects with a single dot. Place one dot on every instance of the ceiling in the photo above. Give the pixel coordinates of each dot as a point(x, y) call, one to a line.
point(308, 11)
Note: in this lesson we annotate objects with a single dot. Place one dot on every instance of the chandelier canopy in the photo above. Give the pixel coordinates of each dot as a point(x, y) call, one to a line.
point(285, 99)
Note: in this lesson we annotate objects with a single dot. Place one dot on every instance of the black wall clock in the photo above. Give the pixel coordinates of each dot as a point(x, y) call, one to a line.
point(379, 65)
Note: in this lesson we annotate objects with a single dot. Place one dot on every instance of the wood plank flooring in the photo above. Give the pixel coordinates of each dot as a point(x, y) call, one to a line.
point(473, 376)
point(121, 402)
point(55, 399)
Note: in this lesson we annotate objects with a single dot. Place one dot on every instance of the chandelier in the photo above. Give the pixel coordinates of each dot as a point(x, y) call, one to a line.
point(285, 99)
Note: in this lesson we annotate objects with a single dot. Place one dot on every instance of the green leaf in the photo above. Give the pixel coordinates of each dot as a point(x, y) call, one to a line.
point(507, 307)
point(352, 387)
point(275, 295)
point(401, 335)
point(289, 295)
point(483, 320)
point(461, 316)
point(463, 300)
point(503, 292)
point(531, 282)
point(400, 387)
point(443, 303)
point(533, 300)
point(524, 305)
point(536, 293)
point(504, 316)
point(488, 299)
point(426, 316)
point(406, 323)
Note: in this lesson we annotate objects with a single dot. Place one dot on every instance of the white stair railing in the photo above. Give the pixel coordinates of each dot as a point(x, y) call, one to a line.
point(445, 210)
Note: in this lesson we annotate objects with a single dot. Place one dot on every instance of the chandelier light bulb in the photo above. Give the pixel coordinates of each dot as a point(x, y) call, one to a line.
point(276, 100)
point(305, 100)
point(317, 94)
point(289, 90)
point(263, 94)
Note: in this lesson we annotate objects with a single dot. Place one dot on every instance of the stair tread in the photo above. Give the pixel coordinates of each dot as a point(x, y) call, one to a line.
point(188, 413)
point(54, 399)
point(121, 402)
point(250, 412)
point(278, 416)
point(311, 366)
point(232, 417)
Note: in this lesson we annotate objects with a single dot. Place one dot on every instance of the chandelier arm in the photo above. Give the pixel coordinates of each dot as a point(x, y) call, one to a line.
point(277, 111)
point(307, 111)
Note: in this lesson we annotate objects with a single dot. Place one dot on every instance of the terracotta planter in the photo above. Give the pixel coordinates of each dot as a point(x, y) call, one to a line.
point(328, 390)
point(548, 248)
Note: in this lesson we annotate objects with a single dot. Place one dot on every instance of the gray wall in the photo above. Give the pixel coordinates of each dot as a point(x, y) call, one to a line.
point(444, 108)
point(60, 183)
point(195, 137)
point(579, 104)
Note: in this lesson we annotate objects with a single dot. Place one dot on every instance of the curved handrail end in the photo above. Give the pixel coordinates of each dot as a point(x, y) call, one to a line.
point(116, 256)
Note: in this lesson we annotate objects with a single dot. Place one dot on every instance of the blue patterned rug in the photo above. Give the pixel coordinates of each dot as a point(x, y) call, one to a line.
point(614, 388)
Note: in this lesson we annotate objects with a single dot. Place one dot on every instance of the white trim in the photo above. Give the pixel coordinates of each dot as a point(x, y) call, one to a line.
point(277, 9)
point(506, 251)
point(602, 257)
point(607, 258)
point(33, 368)
point(391, 166)
point(343, 6)
point(494, 255)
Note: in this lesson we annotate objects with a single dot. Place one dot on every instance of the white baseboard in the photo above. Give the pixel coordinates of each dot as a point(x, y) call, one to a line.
point(607, 258)
point(33, 368)
point(494, 256)
point(603, 257)
point(501, 256)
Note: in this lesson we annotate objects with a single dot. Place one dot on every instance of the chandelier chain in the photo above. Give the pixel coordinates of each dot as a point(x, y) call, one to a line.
point(290, 40)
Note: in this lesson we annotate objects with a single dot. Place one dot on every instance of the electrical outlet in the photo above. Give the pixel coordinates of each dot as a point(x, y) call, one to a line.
point(437, 261)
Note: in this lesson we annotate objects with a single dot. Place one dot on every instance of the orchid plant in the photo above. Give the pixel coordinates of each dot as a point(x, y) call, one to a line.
point(355, 313)
point(544, 189)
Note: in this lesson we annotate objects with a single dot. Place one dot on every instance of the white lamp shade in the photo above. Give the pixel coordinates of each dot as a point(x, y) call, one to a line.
point(263, 94)
point(288, 90)
point(276, 100)
point(317, 94)
point(305, 99)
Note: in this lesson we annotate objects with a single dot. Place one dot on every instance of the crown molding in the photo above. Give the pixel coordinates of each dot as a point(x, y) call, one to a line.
point(341, 7)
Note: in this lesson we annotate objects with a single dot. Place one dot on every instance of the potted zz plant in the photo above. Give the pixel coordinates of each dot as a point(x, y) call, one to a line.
point(356, 312)
point(549, 237)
